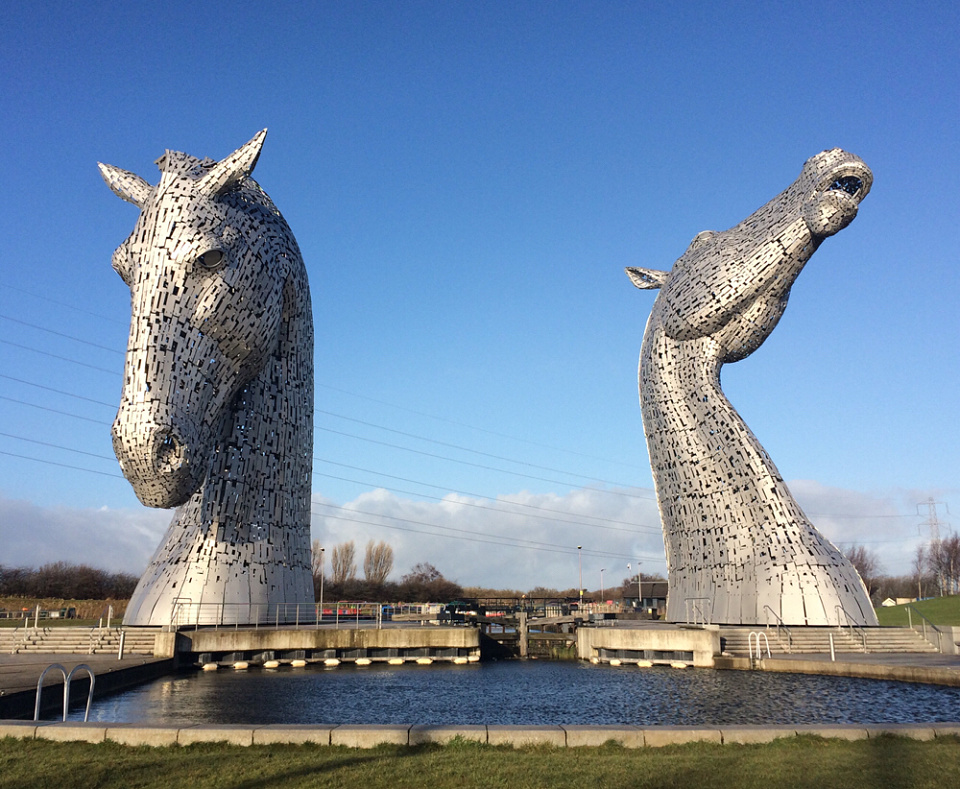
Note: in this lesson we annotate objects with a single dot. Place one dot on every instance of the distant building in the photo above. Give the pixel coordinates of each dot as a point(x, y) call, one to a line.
point(890, 601)
point(653, 602)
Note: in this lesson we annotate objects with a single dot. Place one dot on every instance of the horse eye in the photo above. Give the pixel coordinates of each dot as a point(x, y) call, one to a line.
point(211, 259)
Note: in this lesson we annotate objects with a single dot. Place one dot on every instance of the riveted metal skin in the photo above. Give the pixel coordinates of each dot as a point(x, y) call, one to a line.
point(739, 548)
point(216, 411)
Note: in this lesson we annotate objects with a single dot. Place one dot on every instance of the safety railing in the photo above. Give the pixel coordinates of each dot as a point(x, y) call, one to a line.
point(782, 629)
point(339, 615)
point(923, 625)
point(698, 610)
point(856, 630)
point(67, 678)
point(19, 638)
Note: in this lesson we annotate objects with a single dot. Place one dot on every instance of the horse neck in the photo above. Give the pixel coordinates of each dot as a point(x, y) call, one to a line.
point(688, 420)
point(260, 475)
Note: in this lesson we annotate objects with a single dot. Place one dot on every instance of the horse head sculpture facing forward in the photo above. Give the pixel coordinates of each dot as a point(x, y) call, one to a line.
point(216, 415)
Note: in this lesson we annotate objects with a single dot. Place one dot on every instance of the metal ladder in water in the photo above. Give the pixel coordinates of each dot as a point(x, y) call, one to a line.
point(755, 635)
point(66, 688)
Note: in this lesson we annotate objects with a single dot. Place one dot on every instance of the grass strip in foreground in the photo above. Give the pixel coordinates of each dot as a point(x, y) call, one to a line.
point(887, 762)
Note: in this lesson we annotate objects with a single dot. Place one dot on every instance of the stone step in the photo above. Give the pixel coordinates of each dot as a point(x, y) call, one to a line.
point(69, 640)
point(886, 640)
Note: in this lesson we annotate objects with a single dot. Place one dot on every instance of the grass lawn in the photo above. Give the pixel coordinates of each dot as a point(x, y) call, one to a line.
point(886, 762)
point(939, 610)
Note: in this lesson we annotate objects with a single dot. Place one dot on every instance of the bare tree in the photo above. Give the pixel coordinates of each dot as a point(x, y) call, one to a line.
point(919, 568)
point(343, 567)
point(425, 583)
point(377, 562)
point(867, 564)
point(317, 567)
point(943, 559)
point(951, 549)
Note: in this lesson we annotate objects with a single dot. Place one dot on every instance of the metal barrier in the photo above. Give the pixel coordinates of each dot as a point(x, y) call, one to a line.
point(923, 625)
point(344, 613)
point(781, 627)
point(852, 626)
point(698, 610)
point(67, 678)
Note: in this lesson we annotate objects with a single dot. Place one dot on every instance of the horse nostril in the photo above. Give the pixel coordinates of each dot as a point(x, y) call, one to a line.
point(169, 454)
point(847, 183)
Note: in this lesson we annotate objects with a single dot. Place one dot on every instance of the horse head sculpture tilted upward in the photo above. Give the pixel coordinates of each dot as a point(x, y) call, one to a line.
point(216, 414)
point(737, 542)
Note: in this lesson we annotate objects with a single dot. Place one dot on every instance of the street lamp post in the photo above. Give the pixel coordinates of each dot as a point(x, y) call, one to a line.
point(321, 583)
point(580, 583)
point(639, 588)
point(601, 585)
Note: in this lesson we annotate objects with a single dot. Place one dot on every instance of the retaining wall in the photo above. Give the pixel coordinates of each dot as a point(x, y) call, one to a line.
point(368, 736)
point(694, 646)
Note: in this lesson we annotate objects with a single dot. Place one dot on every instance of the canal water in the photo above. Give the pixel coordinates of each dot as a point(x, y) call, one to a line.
point(522, 692)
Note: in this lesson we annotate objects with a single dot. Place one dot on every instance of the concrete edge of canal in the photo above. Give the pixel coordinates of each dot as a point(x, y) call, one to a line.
point(369, 736)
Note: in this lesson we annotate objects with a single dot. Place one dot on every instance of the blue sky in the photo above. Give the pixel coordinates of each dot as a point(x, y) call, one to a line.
point(467, 182)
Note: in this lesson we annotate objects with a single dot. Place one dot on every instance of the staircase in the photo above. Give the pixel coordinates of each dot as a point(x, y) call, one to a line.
point(77, 640)
point(816, 640)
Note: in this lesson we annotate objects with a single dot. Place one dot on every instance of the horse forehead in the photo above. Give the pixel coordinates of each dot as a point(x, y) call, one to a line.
point(177, 201)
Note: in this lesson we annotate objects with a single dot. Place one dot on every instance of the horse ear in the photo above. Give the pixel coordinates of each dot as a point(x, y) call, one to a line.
point(228, 173)
point(130, 187)
point(647, 278)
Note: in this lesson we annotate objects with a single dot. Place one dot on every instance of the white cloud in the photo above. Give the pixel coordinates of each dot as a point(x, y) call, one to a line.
point(521, 540)
point(887, 522)
point(118, 540)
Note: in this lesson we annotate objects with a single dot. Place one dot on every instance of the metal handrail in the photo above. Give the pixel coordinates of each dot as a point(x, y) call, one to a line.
point(692, 603)
point(924, 624)
point(67, 678)
point(854, 627)
point(23, 634)
point(780, 626)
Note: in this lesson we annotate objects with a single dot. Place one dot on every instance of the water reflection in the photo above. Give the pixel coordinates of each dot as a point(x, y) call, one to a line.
point(524, 693)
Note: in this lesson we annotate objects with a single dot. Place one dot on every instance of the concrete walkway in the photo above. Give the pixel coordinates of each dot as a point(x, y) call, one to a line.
point(21, 672)
point(19, 675)
point(934, 669)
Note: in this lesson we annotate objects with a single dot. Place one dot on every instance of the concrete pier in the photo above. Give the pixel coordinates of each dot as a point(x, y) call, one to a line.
point(649, 645)
point(228, 645)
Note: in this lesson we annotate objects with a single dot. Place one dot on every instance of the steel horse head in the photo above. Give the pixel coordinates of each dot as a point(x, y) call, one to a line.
point(216, 410)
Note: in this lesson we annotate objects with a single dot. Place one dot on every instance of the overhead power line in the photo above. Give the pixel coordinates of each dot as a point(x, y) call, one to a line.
point(493, 541)
point(54, 410)
point(61, 358)
point(61, 334)
point(468, 462)
point(61, 465)
point(58, 391)
point(549, 510)
point(467, 449)
point(474, 427)
point(69, 306)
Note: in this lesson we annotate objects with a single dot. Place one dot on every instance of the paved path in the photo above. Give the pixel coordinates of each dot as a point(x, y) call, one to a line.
point(21, 672)
point(913, 659)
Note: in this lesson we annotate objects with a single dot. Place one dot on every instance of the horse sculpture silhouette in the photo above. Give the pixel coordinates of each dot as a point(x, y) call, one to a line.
point(216, 415)
point(739, 548)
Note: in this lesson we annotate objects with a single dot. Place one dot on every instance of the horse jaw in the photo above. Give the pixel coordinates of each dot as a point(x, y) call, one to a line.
point(162, 462)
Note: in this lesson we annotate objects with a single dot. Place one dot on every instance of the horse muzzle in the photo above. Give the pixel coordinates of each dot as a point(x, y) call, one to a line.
point(156, 459)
